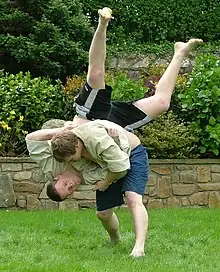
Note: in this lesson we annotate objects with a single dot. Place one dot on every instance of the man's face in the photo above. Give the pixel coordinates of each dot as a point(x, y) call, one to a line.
point(65, 186)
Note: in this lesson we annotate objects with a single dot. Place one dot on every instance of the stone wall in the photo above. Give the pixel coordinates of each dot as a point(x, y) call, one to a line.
point(172, 183)
point(135, 66)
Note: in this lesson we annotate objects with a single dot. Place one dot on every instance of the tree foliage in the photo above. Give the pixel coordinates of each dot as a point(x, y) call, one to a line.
point(201, 103)
point(44, 37)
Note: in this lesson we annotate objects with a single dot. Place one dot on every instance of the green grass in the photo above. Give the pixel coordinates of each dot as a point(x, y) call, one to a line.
point(178, 240)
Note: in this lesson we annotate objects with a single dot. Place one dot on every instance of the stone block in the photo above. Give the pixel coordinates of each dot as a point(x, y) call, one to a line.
point(175, 178)
point(84, 195)
point(48, 204)
point(11, 167)
point(84, 188)
point(53, 123)
point(200, 198)
point(33, 203)
point(185, 202)
point(125, 63)
point(152, 191)
point(215, 168)
point(209, 186)
point(152, 180)
point(21, 201)
point(112, 63)
point(203, 174)
point(173, 202)
point(30, 187)
point(87, 204)
point(145, 200)
point(162, 170)
point(183, 189)
point(214, 200)
point(39, 176)
point(69, 204)
point(184, 167)
point(215, 177)
point(187, 176)
point(43, 194)
point(29, 166)
point(141, 63)
point(155, 203)
point(164, 189)
point(22, 175)
point(7, 195)
point(146, 192)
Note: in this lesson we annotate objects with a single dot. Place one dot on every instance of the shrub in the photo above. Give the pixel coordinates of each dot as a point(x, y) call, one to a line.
point(47, 38)
point(74, 84)
point(176, 105)
point(159, 20)
point(25, 104)
point(125, 88)
point(201, 103)
point(166, 137)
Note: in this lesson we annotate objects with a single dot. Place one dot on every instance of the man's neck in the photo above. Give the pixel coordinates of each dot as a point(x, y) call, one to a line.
point(79, 120)
point(86, 154)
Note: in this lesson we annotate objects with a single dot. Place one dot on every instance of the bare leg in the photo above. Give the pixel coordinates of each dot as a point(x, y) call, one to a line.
point(97, 52)
point(140, 222)
point(110, 222)
point(160, 102)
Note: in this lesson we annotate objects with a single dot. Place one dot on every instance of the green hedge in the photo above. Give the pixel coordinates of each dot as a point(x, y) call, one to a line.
point(49, 38)
point(52, 38)
point(201, 103)
point(159, 20)
point(167, 137)
point(25, 104)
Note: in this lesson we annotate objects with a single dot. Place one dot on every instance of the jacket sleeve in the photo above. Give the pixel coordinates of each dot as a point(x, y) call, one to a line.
point(104, 147)
point(41, 153)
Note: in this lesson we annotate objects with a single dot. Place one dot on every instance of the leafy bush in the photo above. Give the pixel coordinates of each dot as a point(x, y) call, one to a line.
point(25, 104)
point(74, 84)
point(176, 104)
point(201, 103)
point(159, 20)
point(166, 137)
point(125, 88)
point(47, 38)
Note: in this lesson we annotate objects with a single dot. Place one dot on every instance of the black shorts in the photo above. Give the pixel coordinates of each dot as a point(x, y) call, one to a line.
point(134, 181)
point(96, 104)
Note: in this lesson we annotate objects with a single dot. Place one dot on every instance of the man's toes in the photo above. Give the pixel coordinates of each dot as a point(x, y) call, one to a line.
point(105, 13)
point(137, 254)
point(193, 42)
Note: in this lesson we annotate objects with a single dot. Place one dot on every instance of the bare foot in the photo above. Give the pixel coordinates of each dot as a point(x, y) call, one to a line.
point(105, 15)
point(184, 48)
point(137, 253)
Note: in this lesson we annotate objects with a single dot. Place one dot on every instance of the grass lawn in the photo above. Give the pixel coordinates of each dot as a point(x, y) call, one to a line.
point(179, 240)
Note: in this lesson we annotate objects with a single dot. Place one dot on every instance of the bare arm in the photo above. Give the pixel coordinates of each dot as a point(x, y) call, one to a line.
point(102, 185)
point(43, 134)
point(112, 176)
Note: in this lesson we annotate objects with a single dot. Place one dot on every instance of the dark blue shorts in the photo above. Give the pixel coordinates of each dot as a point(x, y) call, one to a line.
point(134, 181)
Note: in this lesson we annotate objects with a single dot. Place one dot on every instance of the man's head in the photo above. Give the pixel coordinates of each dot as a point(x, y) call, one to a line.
point(63, 185)
point(65, 146)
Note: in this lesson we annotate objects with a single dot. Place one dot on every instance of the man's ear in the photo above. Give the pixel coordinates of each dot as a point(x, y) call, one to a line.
point(77, 145)
point(57, 177)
